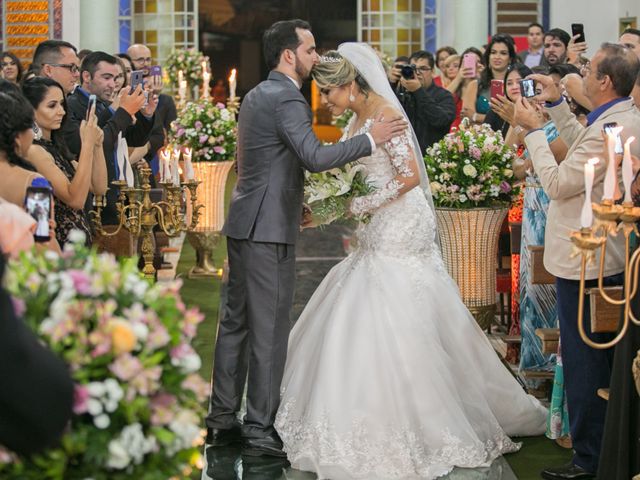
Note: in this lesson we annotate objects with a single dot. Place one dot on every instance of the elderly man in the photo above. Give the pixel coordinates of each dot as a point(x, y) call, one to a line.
point(58, 60)
point(166, 110)
point(609, 78)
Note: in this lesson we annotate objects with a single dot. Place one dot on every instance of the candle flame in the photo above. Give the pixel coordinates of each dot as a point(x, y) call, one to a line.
point(232, 77)
point(593, 161)
point(187, 151)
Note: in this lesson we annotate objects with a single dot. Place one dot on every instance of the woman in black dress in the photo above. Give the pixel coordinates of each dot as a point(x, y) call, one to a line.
point(71, 180)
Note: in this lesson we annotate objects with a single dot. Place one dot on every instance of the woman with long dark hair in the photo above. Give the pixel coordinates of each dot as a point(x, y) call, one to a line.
point(11, 67)
point(50, 156)
point(16, 137)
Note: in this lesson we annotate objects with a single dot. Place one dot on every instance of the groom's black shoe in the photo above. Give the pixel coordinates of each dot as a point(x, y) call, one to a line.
point(270, 445)
point(566, 472)
point(221, 437)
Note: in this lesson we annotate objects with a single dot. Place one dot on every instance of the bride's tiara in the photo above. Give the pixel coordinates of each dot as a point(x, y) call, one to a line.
point(326, 59)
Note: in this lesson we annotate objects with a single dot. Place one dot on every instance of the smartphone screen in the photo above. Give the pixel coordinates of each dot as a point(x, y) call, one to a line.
point(527, 88)
point(607, 127)
point(137, 78)
point(578, 29)
point(155, 71)
point(497, 88)
point(91, 104)
point(38, 205)
point(469, 61)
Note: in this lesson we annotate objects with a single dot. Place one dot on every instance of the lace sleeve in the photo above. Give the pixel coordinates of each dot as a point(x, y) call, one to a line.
point(401, 155)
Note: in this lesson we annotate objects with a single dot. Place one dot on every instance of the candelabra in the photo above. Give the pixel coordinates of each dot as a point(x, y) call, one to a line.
point(233, 104)
point(138, 214)
point(610, 218)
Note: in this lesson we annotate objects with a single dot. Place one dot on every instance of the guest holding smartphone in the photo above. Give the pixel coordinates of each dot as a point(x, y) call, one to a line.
point(71, 181)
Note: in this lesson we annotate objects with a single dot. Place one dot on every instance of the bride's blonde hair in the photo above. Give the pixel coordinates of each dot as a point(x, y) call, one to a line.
point(334, 71)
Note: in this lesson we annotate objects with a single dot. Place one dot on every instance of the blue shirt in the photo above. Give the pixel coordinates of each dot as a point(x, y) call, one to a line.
point(593, 116)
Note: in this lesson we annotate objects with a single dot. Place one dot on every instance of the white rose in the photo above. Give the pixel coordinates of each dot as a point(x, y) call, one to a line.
point(462, 198)
point(508, 173)
point(77, 236)
point(94, 407)
point(102, 421)
point(141, 331)
point(470, 171)
point(118, 459)
point(96, 389)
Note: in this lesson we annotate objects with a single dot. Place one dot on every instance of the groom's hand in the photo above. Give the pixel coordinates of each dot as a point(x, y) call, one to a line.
point(384, 130)
point(307, 218)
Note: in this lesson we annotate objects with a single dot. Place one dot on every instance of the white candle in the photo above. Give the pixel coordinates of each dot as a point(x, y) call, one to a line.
point(165, 153)
point(188, 166)
point(180, 77)
point(232, 84)
point(611, 176)
point(206, 78)
point(627, 169)
point(586, 217)
point(175, 172)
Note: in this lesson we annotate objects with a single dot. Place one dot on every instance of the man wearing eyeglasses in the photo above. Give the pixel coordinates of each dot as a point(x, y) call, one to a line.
point(58, 60)
point(430, 108)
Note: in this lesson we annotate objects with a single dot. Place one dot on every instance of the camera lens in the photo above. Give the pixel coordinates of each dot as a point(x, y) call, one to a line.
point(408, 72)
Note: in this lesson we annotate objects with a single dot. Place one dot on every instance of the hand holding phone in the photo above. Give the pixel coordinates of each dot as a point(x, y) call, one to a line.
point(527, 87)
point(578, 29)
point(38, 204)
point(91, 106)
point(608, 128)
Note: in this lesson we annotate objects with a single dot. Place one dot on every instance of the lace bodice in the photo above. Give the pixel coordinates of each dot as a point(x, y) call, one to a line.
point(401, 226)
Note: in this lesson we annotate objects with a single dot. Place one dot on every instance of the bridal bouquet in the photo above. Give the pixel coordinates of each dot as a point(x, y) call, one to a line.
point(138, 396)
point(208, 129)
point(328, 193)
point(471, 167)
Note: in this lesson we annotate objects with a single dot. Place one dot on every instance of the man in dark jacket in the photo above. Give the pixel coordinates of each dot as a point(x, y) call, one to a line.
point(98, 74)
point(430, 108)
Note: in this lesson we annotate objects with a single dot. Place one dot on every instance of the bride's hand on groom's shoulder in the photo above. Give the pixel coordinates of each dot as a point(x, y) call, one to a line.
point(307, 218)
point(384, 128)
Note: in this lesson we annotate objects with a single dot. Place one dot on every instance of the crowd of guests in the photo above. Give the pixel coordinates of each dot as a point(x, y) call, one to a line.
point(553, 134)
point(50, 129)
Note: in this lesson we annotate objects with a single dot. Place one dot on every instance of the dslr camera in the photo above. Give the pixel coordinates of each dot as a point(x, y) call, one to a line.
point(408, 72)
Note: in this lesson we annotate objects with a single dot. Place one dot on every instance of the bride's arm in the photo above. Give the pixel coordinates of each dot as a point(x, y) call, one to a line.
point(402, 155)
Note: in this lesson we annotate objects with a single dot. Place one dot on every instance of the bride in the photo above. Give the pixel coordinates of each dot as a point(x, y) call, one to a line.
point(388, 375)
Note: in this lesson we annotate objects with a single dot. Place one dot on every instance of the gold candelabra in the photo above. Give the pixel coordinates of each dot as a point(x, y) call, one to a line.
point(610, 219)
point(138, 214)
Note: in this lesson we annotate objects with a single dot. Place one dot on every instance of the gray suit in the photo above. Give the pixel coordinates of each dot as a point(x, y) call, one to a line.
point(275, 144)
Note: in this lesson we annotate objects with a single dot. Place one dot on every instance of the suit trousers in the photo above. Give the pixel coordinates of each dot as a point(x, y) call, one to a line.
point(585, 371)
point(253, 335)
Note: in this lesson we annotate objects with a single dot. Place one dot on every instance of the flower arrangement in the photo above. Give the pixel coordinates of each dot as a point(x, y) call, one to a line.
point(210, 131)
point(190, 62)
point(471, 167)
point(341, 121)
point(328, 193)
point(138, 396)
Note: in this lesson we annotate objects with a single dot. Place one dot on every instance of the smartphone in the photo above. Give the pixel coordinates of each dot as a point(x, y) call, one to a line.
point(37, 203)
point(578, 29)
point(137, 78)
point(527, 88)
point(469, 60)
point(155, 71)
point(607, 127)
point(90, 105)
point(497, 88)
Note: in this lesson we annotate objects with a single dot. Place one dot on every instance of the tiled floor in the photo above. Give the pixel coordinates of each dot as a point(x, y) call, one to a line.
point(227, 463)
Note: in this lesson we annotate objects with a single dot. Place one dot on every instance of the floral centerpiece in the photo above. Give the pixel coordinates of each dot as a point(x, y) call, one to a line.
point(328, 193)
point(138, 396)
point(471, 167)
point(190, 62)
point(208, 129)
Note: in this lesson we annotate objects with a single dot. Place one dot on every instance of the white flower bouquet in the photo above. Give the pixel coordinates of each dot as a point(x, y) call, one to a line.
point(328, 193)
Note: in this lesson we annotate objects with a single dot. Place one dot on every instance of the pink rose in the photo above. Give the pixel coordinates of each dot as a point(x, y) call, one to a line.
point(80, 398)
point(126, 367)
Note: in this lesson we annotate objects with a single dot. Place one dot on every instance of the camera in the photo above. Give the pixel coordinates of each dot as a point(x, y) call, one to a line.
point(408, 71)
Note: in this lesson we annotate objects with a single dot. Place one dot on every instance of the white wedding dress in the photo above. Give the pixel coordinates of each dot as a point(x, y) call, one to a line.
point(388, 375)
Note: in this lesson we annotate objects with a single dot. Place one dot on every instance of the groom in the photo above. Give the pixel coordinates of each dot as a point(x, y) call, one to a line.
point(275, 144)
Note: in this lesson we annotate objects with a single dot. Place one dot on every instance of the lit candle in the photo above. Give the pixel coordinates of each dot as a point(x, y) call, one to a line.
point(627, 169)
point(165, 154)
point(188, 166)
point(586, 217)
point(182, 91)
point(232, 84)
point(175, 173)
point(180, 77)
point(611, 177)
point(204, 66)
point(206, 78)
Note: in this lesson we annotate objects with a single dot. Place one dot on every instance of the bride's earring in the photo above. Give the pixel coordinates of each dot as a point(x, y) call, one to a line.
point(37, 133)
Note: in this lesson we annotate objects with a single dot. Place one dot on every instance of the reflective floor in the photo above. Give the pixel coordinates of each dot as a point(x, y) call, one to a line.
point(226, 463)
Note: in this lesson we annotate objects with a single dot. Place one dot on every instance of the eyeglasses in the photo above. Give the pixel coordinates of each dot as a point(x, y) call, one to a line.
point(142, 60)
point(72, 67)
point(423, 68)
point(585, 68)
point(10, 63)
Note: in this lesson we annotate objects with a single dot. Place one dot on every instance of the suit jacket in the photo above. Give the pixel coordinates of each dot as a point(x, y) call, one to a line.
point(275, 144)
point(525, 53)
point(165, 114)
point(112, 123)
point(564, 184)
